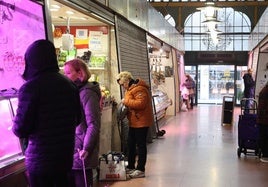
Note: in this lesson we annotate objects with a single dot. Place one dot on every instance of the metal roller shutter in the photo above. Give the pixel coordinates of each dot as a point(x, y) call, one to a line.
point(133, 55)
point(132, 49)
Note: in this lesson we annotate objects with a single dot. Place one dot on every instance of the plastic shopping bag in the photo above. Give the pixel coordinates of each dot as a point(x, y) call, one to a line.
point(112, 167)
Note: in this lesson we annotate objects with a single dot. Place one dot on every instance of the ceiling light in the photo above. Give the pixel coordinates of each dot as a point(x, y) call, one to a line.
point(69, 12)
point(54, 9)
point(209, 6)
point(210, 12)
point(214, 31)
point(211, 21)
point(55, 6)
point(211, 24)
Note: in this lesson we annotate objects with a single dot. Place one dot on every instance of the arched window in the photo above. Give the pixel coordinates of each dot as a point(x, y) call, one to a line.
point(170, 19)
point(231, 32)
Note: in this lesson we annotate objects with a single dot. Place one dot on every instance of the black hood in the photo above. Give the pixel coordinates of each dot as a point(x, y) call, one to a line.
point(40, 57)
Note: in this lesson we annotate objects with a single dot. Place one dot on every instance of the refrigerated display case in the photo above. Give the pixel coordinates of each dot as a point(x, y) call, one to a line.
point(16, 35)
point(12, 169)
point(161, 102)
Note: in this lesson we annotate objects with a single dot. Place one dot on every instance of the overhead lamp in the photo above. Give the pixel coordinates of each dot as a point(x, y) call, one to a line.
point(211, 21)
point(209, 7)
point(69, 12)
point(214, 31)
point(215, 39)
point(67, 38)
point(54, 9)
point(55, 6)
point(210, 12)
point(211, 24)
point(161, 49)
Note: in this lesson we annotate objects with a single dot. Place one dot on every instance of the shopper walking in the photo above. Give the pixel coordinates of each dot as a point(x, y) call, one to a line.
point(190, 85)
point(140, 115)
point(249, 84)
point(262, 120)
point(87, 137)
point(185, 99)
point(47, 115)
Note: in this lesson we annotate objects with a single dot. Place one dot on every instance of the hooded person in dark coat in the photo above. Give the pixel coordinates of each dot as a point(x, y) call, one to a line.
point(47, 115)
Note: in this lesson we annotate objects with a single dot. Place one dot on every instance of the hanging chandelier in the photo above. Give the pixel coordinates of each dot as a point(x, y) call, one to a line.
point(209, 10)
point(211, 20)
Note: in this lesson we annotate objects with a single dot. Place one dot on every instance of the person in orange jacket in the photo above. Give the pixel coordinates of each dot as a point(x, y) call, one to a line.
point(138, 100)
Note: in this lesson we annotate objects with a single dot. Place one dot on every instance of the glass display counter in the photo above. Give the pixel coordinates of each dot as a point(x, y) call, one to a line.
point(16, 35)
point(11, 156)
point(161, 102)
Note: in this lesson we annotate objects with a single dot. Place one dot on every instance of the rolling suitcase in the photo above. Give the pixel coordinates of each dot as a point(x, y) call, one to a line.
point(248, 130)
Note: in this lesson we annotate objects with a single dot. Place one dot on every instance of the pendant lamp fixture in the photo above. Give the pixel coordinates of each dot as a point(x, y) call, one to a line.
point(211, 21)
point(210, 12)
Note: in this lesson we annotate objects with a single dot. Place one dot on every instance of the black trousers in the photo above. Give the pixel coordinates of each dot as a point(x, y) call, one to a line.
point(264, 140)
point(137, 145)
point(48, 180)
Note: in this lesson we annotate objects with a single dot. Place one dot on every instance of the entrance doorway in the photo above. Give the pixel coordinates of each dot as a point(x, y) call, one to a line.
point(214, 82)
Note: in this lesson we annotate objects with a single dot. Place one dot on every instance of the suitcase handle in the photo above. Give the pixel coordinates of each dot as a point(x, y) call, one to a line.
point(251, 102)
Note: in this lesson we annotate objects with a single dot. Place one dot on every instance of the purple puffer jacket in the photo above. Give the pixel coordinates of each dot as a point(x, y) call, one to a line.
point(48, 112)
point(87, 135)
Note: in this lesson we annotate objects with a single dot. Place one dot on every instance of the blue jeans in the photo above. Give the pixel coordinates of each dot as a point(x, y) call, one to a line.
point(137, 142)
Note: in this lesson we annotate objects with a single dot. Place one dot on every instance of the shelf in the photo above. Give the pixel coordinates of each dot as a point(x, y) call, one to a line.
point(96, 68)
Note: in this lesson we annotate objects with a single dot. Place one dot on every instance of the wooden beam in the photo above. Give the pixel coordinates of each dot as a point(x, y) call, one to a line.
point(179, 19)
point(255, 19)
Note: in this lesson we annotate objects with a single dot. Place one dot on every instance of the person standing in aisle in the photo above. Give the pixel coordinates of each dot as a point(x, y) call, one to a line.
point(249, 84)
point(185, 99)
point(262, 121)
point(87, 137)
point(138, 100)
point(190, 85)
point(47, 115)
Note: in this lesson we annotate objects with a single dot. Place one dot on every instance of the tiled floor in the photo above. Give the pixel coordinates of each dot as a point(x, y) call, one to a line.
point(197, 151)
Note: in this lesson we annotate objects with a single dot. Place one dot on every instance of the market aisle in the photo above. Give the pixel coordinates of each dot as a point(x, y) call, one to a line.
point(197, 151)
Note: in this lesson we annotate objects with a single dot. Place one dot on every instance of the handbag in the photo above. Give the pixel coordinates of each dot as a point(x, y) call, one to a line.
point(184, 107)
point(122, 111)
point(112, 167)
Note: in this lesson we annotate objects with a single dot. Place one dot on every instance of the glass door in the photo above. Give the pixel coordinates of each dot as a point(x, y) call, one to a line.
point(214, 82)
